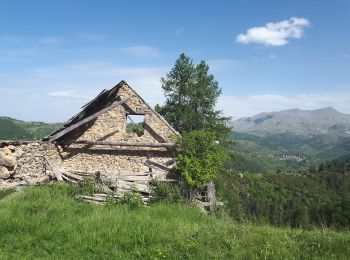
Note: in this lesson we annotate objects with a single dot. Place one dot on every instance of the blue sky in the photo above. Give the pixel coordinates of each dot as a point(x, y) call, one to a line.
point(266, 55)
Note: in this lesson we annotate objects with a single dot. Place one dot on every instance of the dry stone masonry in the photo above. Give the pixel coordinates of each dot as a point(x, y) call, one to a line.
point(96, 140)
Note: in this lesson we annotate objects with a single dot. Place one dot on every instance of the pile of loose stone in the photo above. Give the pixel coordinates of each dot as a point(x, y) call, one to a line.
point(8, 161)
point(22, 164)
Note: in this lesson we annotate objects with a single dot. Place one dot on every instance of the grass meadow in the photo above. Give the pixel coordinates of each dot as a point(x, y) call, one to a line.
point(47, 222)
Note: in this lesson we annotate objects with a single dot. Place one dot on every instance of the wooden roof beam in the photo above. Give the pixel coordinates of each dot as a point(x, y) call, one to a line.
point(87, 119)
point(121, 143)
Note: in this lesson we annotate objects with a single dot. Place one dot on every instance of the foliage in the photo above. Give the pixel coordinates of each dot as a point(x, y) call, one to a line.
point(318, 148)
point(46, 222)
point(132, 199)
point(282, 199)
point(167, 192)
point(86, 187)
point(135, 128)
point(12, 129)
point(340, 165)
point(199, 157)
point(191, 94)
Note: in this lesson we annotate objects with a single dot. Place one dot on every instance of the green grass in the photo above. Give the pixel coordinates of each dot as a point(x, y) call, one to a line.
point(6, 192)
point(46, 222)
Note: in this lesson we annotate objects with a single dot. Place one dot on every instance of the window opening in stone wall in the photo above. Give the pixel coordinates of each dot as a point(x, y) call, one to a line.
point(135, 124)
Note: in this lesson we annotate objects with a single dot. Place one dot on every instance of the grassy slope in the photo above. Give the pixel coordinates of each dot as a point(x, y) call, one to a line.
point(46, 222)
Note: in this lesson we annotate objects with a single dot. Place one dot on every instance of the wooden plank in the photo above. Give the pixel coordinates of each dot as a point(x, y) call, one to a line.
point(166, 180)
point(160, 166)
point(54, 170)
point(67, 179)
point(82, 173)
point(95, 99)
point(88, 119)
point(131, 185)
point(135, 174)
point(74, 176)
point(122, 143)
point(101, 198)
point(93, 198)
point(136, 178)
point(14, 142)
point(91, 173)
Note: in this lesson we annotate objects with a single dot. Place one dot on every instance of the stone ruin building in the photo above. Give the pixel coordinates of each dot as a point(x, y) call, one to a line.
point(97, 141)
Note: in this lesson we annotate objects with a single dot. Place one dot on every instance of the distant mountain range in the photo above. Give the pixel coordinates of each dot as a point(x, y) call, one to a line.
point(308, 123)
point(321, 134)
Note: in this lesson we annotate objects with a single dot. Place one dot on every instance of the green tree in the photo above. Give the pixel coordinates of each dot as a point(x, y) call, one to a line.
point(191, 94)
point(200, 157)
point(312, 168)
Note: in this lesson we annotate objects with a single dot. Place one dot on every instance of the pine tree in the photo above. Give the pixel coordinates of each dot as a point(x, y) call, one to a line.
point(191, 95)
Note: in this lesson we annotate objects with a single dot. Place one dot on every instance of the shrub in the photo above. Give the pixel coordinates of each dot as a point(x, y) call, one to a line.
point(199, 157)
point(167, 192)
point(86, 187)
point(132, 199)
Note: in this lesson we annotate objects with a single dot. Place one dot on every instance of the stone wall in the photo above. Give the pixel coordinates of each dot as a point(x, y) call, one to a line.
point(26, 162)
point(111, 126)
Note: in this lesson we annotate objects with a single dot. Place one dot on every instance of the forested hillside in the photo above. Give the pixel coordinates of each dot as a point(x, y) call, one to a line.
point(290, 140)
point(12, 129)
point(307, 200)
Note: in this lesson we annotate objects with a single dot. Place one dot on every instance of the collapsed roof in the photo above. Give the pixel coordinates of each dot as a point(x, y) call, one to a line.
point(103, 102)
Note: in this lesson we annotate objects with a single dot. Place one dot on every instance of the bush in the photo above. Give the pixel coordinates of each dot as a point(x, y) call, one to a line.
point(199, 157)
point(167, 192)
point(132, 199)
point(86, 187)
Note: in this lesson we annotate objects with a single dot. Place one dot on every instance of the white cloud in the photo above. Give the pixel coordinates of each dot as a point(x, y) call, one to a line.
point(141, 51)
point(275, 34)
point(244, 106)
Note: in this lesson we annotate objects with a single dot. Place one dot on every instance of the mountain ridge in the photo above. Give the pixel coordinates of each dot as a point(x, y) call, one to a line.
point(14, 129)
point(296, 121)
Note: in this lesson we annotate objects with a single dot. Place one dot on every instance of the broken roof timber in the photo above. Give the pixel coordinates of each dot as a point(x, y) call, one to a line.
point(101, 102)
point(87, 119)
point(153, 111)
point(121, 143)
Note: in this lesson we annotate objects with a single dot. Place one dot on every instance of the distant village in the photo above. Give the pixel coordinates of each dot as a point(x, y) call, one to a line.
point(288, 157)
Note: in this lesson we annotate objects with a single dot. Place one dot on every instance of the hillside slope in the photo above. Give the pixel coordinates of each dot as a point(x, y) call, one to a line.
point(299, 122)
point(47, 222)
point(13, 129)
point(322, 134)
